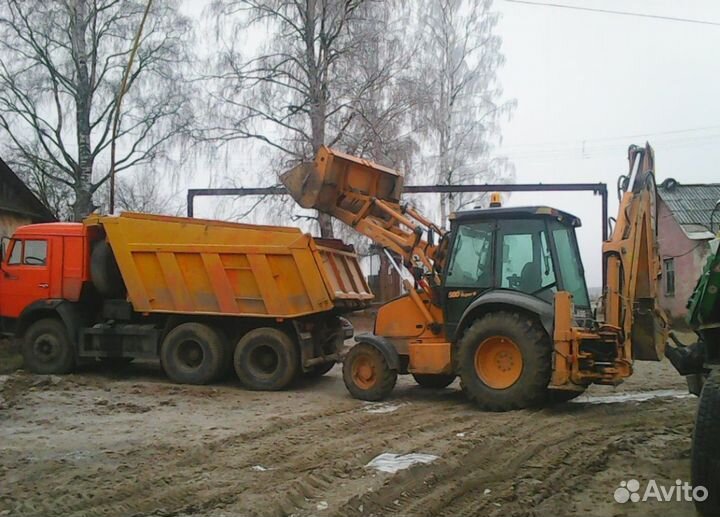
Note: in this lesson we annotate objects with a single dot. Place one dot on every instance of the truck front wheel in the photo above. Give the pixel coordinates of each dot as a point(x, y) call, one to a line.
point(193, 353)
point(504, 361)
point(46, 348)
point(705, 458)
point(266, 359)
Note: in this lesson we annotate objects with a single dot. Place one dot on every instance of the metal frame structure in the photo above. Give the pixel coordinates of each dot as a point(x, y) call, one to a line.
point(596, 188)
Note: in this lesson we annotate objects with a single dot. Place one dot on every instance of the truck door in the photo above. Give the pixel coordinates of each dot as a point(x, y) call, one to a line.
point(25, 277)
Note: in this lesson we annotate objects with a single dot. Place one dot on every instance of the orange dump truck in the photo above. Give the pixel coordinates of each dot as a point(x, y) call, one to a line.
point(200, 295)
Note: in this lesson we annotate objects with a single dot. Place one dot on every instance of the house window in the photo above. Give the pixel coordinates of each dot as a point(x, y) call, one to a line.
point(669, 274)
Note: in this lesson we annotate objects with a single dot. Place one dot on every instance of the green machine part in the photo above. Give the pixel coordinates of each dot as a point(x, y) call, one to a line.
point(704, 304)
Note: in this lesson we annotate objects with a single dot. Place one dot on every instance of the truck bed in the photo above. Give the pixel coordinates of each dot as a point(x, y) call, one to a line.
point(183, 265)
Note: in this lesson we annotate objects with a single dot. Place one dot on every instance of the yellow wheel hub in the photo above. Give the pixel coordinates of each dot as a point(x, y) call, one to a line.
point(498, 362)
point(364, 372)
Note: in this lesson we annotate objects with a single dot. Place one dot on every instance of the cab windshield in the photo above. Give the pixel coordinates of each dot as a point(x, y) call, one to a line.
point(569, 263)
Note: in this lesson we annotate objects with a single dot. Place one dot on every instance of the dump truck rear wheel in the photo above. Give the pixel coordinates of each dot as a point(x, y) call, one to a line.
point(366, 373)
point(504, 362)
point(46, 348)
point(435, 382)
point(266, 359)
point(705, 458)
point(193, 353)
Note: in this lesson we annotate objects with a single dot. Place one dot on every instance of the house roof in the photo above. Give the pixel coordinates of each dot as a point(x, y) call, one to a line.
point(16, 197)
point(692, 206)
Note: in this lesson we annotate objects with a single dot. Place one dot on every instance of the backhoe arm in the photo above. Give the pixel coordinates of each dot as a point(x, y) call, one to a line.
point(633, 264)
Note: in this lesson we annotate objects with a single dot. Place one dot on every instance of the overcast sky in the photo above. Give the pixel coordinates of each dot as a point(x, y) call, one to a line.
point(589, 84)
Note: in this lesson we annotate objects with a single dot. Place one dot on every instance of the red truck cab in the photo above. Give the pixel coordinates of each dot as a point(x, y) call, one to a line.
point(43, 262)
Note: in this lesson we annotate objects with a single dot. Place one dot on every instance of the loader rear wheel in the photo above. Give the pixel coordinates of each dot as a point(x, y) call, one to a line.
point(366, 373)
point(46, 348)
point(705, 458)
point(434, 382)
point(504, 361)
point(266, 359)
point(193, 353)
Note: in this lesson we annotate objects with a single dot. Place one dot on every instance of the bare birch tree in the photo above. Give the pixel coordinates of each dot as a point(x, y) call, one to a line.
point(61, 64)
point(463, 103)
point(304, 87)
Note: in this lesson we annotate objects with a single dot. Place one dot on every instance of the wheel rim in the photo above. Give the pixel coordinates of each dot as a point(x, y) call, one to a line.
point(191, 354)
point(364, 372)
point(264, 359)
point(46, 348)
point(498, 362)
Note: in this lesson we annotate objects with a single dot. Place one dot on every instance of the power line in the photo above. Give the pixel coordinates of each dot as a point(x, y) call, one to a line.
point(609, 11)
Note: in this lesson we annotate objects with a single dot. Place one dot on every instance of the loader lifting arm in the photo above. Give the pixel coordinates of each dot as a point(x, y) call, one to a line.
point(366, 196)
point(632, 263)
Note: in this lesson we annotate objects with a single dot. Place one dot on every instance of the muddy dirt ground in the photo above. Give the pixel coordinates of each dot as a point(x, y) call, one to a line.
point(129, 442)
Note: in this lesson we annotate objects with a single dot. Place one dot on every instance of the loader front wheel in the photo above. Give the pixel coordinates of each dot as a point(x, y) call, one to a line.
point(367, 374)
point(193, 353)
point(504, 361)
point(433, 382)
point(266, 359)
point(705, 458)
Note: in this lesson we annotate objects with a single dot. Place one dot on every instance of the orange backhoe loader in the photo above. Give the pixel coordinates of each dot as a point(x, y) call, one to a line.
point(500, 299)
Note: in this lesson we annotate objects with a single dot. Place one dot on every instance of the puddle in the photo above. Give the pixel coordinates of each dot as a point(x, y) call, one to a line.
point(635, 396)
point(391, 463)
point(381, 408)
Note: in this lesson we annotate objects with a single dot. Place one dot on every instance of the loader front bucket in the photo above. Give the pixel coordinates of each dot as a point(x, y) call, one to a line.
point(336, 180)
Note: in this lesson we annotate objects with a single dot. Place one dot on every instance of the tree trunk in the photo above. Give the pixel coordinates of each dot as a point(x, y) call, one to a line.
point(82, 205)
point(318, 101)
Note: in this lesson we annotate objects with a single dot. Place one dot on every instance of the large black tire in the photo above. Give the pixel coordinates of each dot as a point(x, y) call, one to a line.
point(434, 382)
point(705, 458)
point(266, 359)
point(104, 271)
point(530, 362)
point(47, 348)
point(193, 353)
point(319, 370)
point(366, 373)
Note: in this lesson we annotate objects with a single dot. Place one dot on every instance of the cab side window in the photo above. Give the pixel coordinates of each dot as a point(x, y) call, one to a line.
point(16, 253)
point(35, 253)
point(471, 259)
point(28, 252)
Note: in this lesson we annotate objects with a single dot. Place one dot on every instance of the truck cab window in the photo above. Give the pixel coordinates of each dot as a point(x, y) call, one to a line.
point(470, 262)
point(35, 253)
point(16, 253)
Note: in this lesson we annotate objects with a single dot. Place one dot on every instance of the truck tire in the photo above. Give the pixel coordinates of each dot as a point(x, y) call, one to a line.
point(193, 353)
point(705, 457)
point(104, 271)
point(46, 348)
point(366, 373)
point(505, 362)
point(266, 359)
point(434, 382)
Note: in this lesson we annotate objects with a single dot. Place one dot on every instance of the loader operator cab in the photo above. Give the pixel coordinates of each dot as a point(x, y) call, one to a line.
point(530, 250)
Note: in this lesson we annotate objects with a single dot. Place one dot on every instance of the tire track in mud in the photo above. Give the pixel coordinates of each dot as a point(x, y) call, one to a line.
point(526, 467)
point(306, 454)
